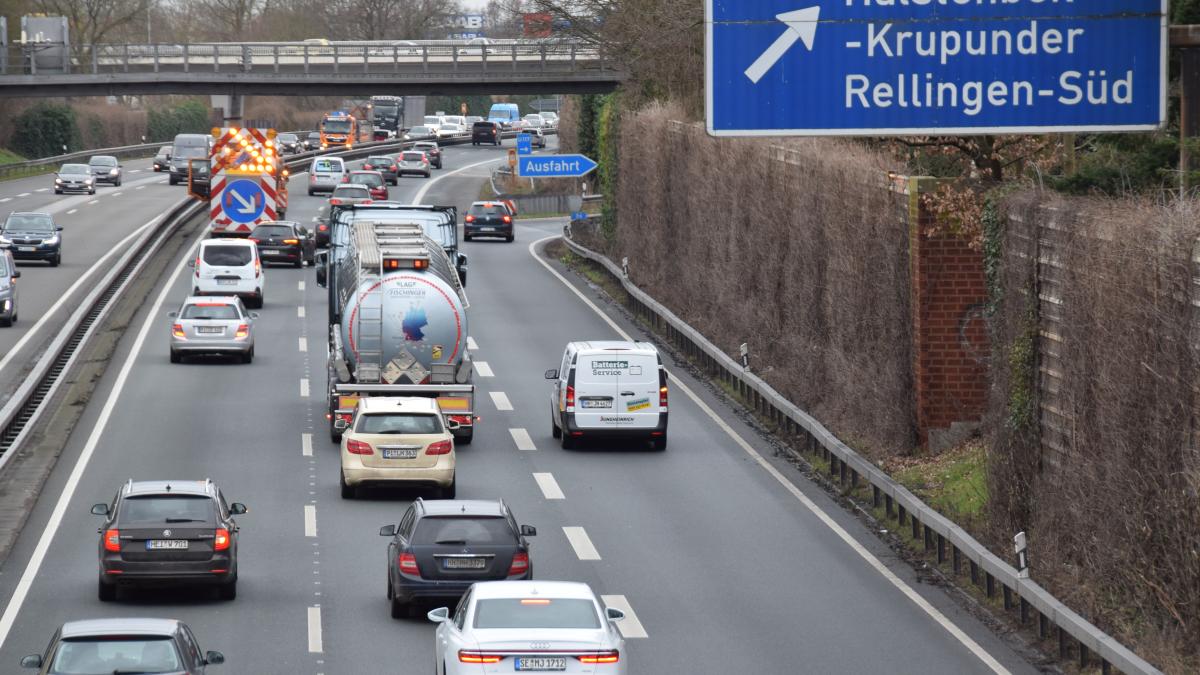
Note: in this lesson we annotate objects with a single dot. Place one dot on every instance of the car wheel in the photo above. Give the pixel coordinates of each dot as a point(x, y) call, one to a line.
point(400, 609)
point(310, 193)
point(6, 322)
point(56, 260)
point(659, 443)
point(449, 491)
point(299, 261)
point(466, 438)
point(466, 237)
point(568, 441)
point(554, 430)
point(106, 592)
point(176, 357)
point(58, 192)
point(510, 238)
point(228, 591)
point(347, 490)
point(174, 180)
point(248, 357)
point(118, 182)
point(92, 191)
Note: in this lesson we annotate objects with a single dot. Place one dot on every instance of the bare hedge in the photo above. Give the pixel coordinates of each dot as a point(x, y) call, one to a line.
point(712, 227)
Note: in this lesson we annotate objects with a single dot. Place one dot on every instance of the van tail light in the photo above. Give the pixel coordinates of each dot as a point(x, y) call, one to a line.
point(408, 564)
point(440, 448)
point(242, 330)
point(570, 398)
point(197, 267)
point(112, 541)
point(221, 540)
point(464, 420)
point(472, 656)
point(508, 219)
point(253, 240)
point(601, 657)
point(291, 242)
point(520, 564)
point(470, 219)
point(335, 202)
point(177, 330)
point(359, 448)
point(257, 268)
point(322, 227)
point(662, 398)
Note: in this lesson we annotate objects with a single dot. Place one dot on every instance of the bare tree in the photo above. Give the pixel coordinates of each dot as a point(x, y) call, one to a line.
point(93, 21)
point(232, 19)
point(389, 19)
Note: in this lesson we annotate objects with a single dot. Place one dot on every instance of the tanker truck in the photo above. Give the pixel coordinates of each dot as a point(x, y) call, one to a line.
point(402, 325)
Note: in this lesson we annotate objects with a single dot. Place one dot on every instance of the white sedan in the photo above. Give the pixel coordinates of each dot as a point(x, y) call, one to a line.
point(529, 626)
point(450, 130)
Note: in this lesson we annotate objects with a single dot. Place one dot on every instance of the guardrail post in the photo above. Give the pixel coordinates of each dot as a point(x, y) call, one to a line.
point(1008, 601)
point(1064, 648)
point(275, 56)
point(156, 58)
point(887, 499)
point(974, 572)
point(514, 57)
point(853, 479)
point(1083, 655)
point(186, 61)
point(337, 53)
point(216, 52)
point(1105, 667)
point(366, 59)
point(247, 59)
point(454, 57)
point(876, 495)
point(483, 56)
point(126, 57)
point(989, 584)
point(96, 60)
point(842, 472)
point(916, 526)
point(1024, 604)
point(1043, 626)
point(395, 58)
point(425, 58)
point(542, 50)
point(928, 536)
point(956, 559)
point(305, 59)
point(941, 548)
point(572, 58)
point(901, 515)
point(833, 462)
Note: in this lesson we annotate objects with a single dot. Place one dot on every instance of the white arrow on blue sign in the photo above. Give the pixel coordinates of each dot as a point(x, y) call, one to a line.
point(554, 166)
point(921, 67)
point(524, 144)
point(243, 201)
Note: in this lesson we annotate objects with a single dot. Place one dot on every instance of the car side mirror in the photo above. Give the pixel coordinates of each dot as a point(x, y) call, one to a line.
point(58, 228)
point(238, 508)
point(614, 614)
point(214, 658)
point(552, 374)
point(253, 315)
point(172, 315)
point(387, 531)
point(439, 615)
point(100, 510)
point(528, 531)
point(16, 274)
point(33, 661)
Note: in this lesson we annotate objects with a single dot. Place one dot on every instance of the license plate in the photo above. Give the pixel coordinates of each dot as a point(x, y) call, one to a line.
point(227, 282)
point(595, 403)
point(271, 252)
point(464, 563)
point(542, 663)
point(166, 544)
point(487, 229)
point(26, 248)
point(210, 330)
point(399, 453)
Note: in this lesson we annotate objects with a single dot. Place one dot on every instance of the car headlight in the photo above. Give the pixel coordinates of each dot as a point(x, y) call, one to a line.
point(112, 172)
point(57, 180)
point(52, 241)
point(5, 241)
point(87, 181)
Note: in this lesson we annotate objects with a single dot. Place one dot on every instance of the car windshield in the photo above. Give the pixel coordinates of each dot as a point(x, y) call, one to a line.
point(379, 161)
point(449, 127)
point(227, 256)
point(190, 152)
point(29, 222)
point(74, 168)
point(398, 423)
point(158, 509)
point(433, 120)
point(488, 210)
point(164, 151)
point(418, 131)
point(351, 192)
point(368, 179)
point(463, 530)
point(103, 161)
point(212, 311)
point(413, 156)
point(287, 138)
point(541, 612)
point(314, 136)
point(267, 231)
point(337, 126)
point(104, 655)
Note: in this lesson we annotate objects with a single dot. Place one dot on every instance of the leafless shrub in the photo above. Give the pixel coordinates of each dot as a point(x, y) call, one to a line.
point(814, 279)
point(104, 125)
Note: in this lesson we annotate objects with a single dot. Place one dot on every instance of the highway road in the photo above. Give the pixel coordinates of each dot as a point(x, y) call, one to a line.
point(725, 558)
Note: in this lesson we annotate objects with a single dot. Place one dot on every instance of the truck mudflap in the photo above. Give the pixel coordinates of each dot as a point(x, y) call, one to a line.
point(457, 401)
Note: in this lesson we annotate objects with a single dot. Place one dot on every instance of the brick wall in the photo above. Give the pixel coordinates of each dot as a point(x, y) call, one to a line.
point(950, 343)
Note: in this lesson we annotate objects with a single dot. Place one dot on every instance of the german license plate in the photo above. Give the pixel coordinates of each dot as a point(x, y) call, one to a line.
point(487, 229)
point(542, 663)
point(271, 252)
point(399, 453)
point(27, 248)
point(464, 563)
point(210, 330)
point(595, 403)
point(227, 282)
point(166, 544)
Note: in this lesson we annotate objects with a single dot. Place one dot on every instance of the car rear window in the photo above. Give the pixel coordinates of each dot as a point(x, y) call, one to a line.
point(413, 156)
point(116, 654)
point(210, 310)
point(227, 256)
point(460, 530)
point(399, 423)
point(484, 125)
point(379, 161)
point(368, 179)
point(264, 231)
point(491, 210)
point(327, 166)
point(525, 613)
point(157, 509)
point(351, 192)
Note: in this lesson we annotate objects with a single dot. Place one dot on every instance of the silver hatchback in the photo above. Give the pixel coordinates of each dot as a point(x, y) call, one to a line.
point(8, 288)
point(212, 325)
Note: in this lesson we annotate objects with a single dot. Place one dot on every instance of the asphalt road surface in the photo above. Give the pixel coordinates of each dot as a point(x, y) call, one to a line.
point(724, 557)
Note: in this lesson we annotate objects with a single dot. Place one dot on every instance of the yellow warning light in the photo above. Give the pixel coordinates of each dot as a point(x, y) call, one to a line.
point(270, 144)
point(216, 132)
point(271, 133)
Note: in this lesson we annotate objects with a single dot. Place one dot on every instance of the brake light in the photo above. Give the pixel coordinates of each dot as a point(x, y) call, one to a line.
point(112, 541)
point(394, 167)
point(520, 564)
point(470, 219)
point(420, 264)
point(368, 166)
point(359, 448)
point(601, 657)
point(468, 656)
point(570, 398)
point(507, 219)
point(335, 202)
point(439, 448)
point(662, 398)
point(408, 564)
point(253, 239)
point(177, 330)
point(322, 227)
point(221, 540)
point(257, 268)
point(242, 331)
point(461, 419)
point(293, 242)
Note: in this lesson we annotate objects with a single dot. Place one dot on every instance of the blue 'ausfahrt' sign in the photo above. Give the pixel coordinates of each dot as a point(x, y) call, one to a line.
point(916, 67)
point(554, 166)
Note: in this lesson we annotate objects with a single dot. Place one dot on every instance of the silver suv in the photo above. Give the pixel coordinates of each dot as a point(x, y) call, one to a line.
point(8, 288)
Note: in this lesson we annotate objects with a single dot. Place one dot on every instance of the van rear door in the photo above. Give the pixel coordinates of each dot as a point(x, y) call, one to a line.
point(637, 392)
point(595, 384)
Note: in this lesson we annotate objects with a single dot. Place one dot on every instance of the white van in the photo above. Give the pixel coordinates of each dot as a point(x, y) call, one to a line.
point(325, 173)
point(229, 267)
point(609, 390)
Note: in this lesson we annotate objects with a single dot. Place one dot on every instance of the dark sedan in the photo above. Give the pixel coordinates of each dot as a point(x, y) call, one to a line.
point(488, 219)
point(289, 143)
point(441, 547)
point(162, 160)
point(106, 169)
point(284, 241)
point(384, 165)
point(32, 236)
point(313, 141)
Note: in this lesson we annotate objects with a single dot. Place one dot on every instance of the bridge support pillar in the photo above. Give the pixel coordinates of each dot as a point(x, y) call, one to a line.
point(233, 111)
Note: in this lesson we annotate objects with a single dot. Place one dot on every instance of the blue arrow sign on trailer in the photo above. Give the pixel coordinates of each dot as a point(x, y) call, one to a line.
point(243, 201)
point(932, 67)
point(554, 166)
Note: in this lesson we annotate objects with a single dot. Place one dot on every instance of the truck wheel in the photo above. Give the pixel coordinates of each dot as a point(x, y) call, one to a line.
point(334, 435)
point(466, 438)
point(174, 180)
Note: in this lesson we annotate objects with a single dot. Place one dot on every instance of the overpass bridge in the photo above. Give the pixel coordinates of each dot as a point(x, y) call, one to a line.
point(310, 68)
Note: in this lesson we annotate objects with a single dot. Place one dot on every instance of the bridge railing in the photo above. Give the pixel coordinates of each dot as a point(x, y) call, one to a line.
point(436, 56)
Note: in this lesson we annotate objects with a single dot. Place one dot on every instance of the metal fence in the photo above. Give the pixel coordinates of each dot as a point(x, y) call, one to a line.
point(950, 543)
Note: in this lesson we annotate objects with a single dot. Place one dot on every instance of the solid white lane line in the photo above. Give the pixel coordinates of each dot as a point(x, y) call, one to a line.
point(581, 543)
point(934, 613)
point(471, 344)
point(304, 387)
point(140, 187)
point(549, 486)
point(483, 369)
point(314, 630)
point(42, 190)
point(500, 399)
point(310, 520)
point(86, 276)
point(303, 344)
point(21, 592)
point(300, 285)
point(24, 194)
point(306, 444)
point(425, 188)
point(6, 199)
point(630, 626)
point(72, 211)
point(522, 439)
point(300, 311)
point(94, 201)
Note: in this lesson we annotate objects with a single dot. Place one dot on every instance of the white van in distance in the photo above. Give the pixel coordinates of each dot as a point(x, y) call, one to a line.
point(609, 390)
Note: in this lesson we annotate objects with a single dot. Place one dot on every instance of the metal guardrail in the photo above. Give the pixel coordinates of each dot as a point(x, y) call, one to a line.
point(937, 533)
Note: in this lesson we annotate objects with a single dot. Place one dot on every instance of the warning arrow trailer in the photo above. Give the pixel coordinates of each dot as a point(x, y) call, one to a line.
point(249, 181)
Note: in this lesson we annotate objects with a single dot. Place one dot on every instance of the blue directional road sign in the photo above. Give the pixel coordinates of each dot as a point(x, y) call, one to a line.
point(524, 144)
point(243, 201)
point(928, 67)
point(554, 166)
point(578, 215)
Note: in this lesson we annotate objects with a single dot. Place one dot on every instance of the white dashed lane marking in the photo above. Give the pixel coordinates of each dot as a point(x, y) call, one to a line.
point(306, 444)
point(300, 285)
point(310, 520)
point(483, 369)
point(136, 171)
point(501, 400)
point(42, 190)
point(630, 627)
point(300, 311)
point(72, 211)
point(24, 194)
point(314, 630)
point(94, 201)
point(581, 543)
point(303, 344)
point(117, 194)
point(140, 187)
point(522, 439)
point(549, 486)
point(304, 387)
point(6, 199)
point(471, 344)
